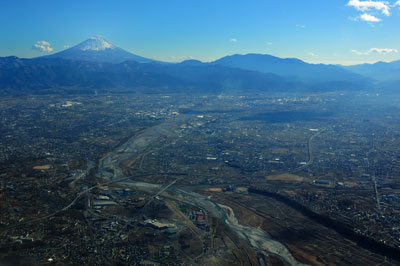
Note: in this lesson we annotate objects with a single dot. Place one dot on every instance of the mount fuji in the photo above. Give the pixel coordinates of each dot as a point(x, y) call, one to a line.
point(97, 49)
point(98, 65)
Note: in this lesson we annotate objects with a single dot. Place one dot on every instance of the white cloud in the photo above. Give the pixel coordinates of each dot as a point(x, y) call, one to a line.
point(43, 46)
point(383, 51)
point(44, 43)
point(312, 54)
point(397, 3)
point(376, 50)
point(369, 18)
point(382, 6)
point(300, 26)
point(357, 52)
point(234, 40)
point(269, 43)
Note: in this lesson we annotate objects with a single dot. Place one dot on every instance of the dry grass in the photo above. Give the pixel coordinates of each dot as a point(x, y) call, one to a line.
point(42, 167)
point(286, 177)
point(214, 189)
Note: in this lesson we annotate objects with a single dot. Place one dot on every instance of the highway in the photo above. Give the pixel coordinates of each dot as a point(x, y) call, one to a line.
point(309, 151)
point(139, 146)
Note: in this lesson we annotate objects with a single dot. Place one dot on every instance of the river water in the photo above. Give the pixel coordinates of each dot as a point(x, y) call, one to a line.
point(110, 169)
point(259, 239)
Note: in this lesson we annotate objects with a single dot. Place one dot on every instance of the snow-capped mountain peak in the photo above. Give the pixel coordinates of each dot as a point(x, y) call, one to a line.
point(97, 49)
point(96, 43)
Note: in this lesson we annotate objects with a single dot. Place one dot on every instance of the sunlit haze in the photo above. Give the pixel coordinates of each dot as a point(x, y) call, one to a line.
point(334, 32)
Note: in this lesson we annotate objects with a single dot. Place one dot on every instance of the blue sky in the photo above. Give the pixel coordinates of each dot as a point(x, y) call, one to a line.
point(317, 31)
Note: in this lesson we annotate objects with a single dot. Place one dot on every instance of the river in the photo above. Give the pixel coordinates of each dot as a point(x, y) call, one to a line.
point(110, 169)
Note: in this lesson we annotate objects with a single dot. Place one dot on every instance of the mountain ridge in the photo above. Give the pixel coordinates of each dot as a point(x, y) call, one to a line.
point(57, 74)
point(288, 67)
point(98, 49)
point(98, 63)
point(380, 71)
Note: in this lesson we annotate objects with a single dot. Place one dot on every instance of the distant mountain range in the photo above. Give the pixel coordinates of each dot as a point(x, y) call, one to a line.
point(98, 65)
point(54, 75)
point(380, 71)
point(288, 67)
point(386, 76)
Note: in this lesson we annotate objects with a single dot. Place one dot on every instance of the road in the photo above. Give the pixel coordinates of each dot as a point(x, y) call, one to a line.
point(378, 202)
point(309, 151)
point(110, 168)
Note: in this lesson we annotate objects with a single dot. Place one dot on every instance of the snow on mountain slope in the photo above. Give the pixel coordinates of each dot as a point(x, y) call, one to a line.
point(96, 43)
point(97, 49)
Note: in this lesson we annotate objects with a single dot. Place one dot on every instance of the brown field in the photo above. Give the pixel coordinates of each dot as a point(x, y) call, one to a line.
point(214, 189)
point(42, 167)
point(241, 189)
point(286, 177)
point(351, 184)
point(308, 241)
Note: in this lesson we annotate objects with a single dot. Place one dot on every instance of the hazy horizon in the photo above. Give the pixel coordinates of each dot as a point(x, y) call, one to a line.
point(340, 32)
